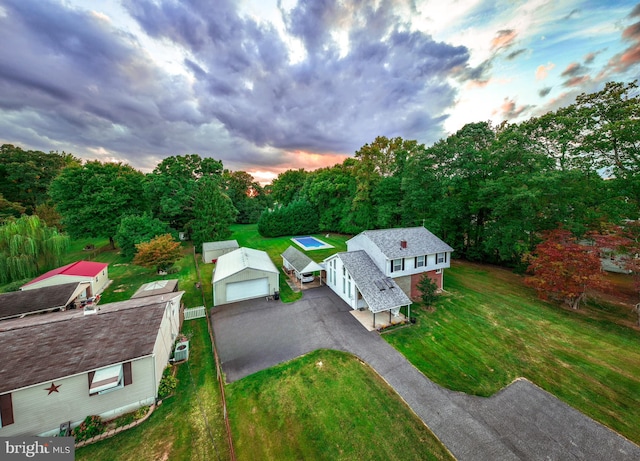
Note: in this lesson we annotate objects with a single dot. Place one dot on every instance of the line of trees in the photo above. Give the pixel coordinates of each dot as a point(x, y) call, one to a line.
point(489, 191)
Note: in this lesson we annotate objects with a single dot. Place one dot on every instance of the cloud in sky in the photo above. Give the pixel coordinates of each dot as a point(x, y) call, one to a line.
point(269, 85)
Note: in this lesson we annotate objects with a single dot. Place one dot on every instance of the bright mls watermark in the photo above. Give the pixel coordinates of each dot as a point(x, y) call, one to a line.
point(37, 448)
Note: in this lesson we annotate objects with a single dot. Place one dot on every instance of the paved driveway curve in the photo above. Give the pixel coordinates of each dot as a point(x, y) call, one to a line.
point(521, 422)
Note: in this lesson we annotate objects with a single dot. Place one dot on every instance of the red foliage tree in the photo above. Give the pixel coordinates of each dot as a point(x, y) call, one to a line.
point(563, 269)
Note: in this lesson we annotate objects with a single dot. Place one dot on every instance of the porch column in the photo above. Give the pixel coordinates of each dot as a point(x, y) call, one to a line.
point(409, 312)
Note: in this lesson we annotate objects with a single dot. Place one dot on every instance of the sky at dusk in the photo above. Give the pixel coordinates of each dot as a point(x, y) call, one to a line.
point(269, 85)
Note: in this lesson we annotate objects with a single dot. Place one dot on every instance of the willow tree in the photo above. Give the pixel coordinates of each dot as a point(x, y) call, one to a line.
point(27, 247)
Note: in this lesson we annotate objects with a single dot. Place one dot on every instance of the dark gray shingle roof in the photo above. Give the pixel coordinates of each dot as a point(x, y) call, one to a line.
point(369, 280)
point(419, 242)
point(43, 348)
point(17, 303)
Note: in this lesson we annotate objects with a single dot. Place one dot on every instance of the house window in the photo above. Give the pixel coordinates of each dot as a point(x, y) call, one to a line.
point(6, 410)
point(110, 378)
point(397, 265)
point(420, 261)
point(349, 286)
point(438, 271)
point(441, 258)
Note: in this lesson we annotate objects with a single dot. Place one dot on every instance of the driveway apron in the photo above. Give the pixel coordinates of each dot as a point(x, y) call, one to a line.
point(521, 422)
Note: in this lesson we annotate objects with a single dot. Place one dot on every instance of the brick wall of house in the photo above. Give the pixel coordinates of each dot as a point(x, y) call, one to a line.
point(415, 278)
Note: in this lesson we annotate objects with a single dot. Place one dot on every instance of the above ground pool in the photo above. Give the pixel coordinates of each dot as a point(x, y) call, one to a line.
point(310, 243)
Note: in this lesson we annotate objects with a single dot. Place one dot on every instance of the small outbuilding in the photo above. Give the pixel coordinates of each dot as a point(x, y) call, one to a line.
point(159, 287)
point(213, 250)
point(296, 262)
point(243, 274)
point(95, 273)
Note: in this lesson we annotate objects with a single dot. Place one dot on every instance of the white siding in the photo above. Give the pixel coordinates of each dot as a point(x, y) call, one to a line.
point(97, 287)
point(336, 282)
point(36, 411)
point(220, 287)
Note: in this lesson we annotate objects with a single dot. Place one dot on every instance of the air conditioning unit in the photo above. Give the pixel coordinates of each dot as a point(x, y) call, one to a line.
point(181, 352)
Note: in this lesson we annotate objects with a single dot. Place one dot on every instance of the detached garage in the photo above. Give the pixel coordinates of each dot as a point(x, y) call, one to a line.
point(243, 274)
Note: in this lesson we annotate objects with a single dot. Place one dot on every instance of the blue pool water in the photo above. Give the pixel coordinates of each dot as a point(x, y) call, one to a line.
point(310, 243)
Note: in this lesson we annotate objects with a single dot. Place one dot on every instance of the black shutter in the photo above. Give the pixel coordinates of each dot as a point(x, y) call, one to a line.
point(90, 375)
point(392, 265)
point(128, 377)
point(402, 263)
point(6, 409)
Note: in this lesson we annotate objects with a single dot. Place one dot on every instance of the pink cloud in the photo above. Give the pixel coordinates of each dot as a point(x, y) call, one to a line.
point(504, 39)
point(543, 71)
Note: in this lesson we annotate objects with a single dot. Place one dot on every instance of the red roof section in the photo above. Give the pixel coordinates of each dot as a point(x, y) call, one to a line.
point(78, 268)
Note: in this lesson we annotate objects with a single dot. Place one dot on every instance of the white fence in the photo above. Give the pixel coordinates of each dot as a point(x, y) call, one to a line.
point(195, 313)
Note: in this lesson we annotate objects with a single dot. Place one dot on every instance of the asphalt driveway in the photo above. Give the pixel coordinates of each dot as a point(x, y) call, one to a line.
point(520, 422)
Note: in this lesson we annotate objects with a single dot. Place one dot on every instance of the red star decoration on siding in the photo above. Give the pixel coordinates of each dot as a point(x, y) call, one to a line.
point(53, 388)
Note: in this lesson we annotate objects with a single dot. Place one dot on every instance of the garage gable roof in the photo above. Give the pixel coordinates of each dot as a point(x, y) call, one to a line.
point(241, 259)
point(300, 261)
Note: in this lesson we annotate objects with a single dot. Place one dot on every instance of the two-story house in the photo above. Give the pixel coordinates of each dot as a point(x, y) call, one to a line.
point(405, 254)
point(381, 269)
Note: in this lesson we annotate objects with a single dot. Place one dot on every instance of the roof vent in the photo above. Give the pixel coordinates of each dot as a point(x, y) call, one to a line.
point(403, 244)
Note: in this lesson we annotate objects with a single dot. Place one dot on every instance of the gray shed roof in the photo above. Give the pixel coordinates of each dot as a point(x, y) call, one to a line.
point(158, 287)
point(380, 292)
point(18, 303)
point(42, 348)
point(419, 242)
point(221, 245)
point(300, 261)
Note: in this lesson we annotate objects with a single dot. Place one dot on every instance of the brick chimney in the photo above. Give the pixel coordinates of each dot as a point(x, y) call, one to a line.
point(403, 244)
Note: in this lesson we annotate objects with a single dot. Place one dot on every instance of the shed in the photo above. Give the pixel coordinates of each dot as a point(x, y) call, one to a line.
point(213, 250)
point(95, 273)
point(298, 262)
point(243, 274)
point(159, 287)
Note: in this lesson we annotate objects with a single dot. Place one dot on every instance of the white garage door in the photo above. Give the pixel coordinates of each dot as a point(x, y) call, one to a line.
point(247, 289)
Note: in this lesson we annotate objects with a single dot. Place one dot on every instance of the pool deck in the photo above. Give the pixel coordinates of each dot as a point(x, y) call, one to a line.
point(311, 248)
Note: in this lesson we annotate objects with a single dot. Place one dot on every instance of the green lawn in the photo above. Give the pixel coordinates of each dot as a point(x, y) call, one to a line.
point(326, 405)
point(489, 329)
point(187, 426)
point(248, 236)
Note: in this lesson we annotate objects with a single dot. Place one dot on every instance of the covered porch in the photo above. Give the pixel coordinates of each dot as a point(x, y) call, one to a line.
point(381, 320)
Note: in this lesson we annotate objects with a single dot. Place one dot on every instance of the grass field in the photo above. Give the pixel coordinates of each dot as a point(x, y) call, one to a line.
point(326, 405)
point(248, 236)
point(489, 329)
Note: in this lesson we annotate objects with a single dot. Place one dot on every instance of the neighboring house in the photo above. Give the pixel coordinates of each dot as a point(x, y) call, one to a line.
point(61, 367)
point(81, 271)
point(244, 273)
point(159, 287)
point(213, 250)
point(301, 264)
point(405, 254)
point(40, 300)
point(357, 280)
